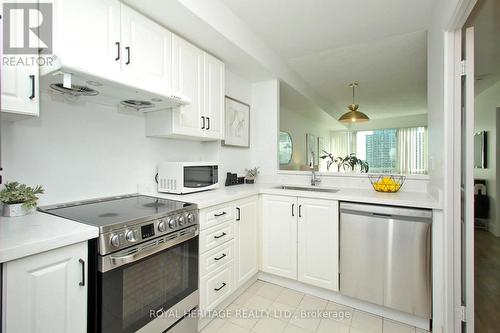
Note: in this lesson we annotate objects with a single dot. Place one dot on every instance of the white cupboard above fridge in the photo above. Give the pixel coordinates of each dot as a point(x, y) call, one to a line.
point(199, 76)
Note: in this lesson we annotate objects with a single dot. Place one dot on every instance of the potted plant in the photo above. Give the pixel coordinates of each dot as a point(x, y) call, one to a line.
point(350, 162)
point(251, 175)
point(19, 199)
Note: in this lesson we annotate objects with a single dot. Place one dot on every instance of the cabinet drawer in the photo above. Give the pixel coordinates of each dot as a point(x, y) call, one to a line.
point(213, 237)
point(216, 258)
point(215, 287)
point(212, 216)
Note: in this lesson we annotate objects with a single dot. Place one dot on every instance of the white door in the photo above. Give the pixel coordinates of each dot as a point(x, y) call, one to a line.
point(214, 96)
point(246, 240)
point(47, 292)
point(188, 80)
point(318, 243)
point(87, 35)
point(147, 50)
point(279, 235)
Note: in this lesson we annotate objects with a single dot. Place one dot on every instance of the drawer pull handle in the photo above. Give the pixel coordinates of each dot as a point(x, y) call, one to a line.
point(223, 285)
point(82, 262)
point(221, 257)
point(221, 214)
point(221, 235)
point(239, 214)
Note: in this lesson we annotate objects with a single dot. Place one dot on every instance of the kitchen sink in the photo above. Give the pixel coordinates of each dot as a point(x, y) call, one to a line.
point(309, 189)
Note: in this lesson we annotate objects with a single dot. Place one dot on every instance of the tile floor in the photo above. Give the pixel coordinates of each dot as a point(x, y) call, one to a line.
point(269, 308)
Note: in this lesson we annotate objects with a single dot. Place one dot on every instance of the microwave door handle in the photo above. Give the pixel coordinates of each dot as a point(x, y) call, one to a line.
point(122, 260)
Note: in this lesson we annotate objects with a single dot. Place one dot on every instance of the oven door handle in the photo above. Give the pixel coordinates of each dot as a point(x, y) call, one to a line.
point(116, 261)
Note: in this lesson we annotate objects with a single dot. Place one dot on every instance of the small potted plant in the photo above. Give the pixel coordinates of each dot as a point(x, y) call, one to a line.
point(19, 199)
point(251, 175)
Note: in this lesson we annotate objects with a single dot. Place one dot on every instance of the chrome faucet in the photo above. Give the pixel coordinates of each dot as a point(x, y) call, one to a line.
point(315, 179)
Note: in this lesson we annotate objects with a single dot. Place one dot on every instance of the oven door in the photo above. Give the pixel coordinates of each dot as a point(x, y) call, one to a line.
point(200, 176)
point(149, 287)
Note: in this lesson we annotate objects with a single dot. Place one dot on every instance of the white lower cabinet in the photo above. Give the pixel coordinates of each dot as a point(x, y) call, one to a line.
point(47, 292)
point(228, 249)
point(300, 239)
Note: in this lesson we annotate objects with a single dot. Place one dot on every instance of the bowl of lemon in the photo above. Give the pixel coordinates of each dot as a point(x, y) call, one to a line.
point(386, 183)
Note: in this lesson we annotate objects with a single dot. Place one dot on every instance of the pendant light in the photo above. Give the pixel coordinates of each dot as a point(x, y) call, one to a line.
point(353, 115)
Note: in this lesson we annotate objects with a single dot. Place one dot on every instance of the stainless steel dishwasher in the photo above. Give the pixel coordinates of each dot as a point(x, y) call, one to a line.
point(385, 256)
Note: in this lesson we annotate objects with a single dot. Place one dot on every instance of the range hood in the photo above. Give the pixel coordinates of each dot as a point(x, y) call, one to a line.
point(79, 85)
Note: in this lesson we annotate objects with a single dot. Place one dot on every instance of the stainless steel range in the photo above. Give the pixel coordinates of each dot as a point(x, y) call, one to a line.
point(143, 268)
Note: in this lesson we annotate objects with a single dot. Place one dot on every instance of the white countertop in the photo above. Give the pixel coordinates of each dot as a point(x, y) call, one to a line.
point(224, 194)
point(39, 232)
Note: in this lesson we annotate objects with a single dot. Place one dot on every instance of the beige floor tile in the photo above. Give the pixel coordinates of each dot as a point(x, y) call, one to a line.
point(281, 311)
point(340, 313)
point(306, 319)
point(241, 316)
point(269, 291)
point(290, 297)
point(232, 328)
point(255, 287)
point(419, 330)
point(366, 322)
point(269, 325)
point(256, 302)
point(331, 326)
point(243, 298)
point(294, 329)
point(214, 326)
point(390, 326)
point(312, 303)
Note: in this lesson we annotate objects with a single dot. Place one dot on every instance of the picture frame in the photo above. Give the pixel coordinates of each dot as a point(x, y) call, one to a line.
point(236, 123)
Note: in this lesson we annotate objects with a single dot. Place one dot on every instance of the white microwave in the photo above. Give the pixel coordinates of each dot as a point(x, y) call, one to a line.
point(187, 177)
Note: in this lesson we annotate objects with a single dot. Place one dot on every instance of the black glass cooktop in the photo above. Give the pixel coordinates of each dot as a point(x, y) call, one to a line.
point(116, 210)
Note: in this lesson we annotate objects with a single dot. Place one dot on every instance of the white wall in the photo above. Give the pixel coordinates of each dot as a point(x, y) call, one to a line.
point(298, 126)
point(87, 151)
point(486, 119)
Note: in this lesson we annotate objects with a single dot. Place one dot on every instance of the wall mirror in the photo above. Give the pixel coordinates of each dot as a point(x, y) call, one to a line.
point(391, 92)
point(285, 147)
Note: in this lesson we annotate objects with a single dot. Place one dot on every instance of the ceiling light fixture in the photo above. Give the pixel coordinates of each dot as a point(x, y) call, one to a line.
point(353, 115)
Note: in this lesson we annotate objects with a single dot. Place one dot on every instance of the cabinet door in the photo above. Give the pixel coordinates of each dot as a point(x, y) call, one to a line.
point(146, 50)
point(20, 93)
point(19, 83)
point(318, 242)
point(279, 235)
point(214, 97)
point(43, 292)
point(246, 240)
point(87, 34)
point(188, 80)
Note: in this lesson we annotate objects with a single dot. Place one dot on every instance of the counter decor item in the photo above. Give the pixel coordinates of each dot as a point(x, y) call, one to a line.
point(237, 123)
point(387, 183)
point(233, 179)
point(251, 175)
point(19, 199)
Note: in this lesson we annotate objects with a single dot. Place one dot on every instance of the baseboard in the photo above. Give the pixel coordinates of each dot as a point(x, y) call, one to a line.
point(395, 315)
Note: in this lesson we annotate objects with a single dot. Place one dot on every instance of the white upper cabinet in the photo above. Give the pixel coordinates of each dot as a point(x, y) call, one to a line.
point(214, 97)
point(19, 83)
point(188, 79)
point(87, 35)
point(47, 292)
point(201, 77)
point(318, 246)
point(245, 230)
point(147, 49)
point(279, 235)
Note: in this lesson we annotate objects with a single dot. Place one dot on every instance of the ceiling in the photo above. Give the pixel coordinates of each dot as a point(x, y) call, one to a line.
point(330, 43)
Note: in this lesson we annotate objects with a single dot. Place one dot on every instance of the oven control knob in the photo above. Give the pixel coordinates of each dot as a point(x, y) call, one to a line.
point(171, 223)
point(131, 236)
point(115, 240)
point(181, 220)
point(162, 226)
point(190, 218)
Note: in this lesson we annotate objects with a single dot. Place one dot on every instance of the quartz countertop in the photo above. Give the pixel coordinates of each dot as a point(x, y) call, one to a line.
point(224, 194)
point(39, 232)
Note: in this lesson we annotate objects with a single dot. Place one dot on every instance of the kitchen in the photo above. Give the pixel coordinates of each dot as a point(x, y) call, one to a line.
point(127, 130)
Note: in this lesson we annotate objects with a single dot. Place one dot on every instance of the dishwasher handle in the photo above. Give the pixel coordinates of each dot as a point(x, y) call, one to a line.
point(385, 211)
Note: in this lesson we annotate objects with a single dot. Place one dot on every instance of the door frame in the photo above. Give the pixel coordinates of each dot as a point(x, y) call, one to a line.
point(453, 135)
